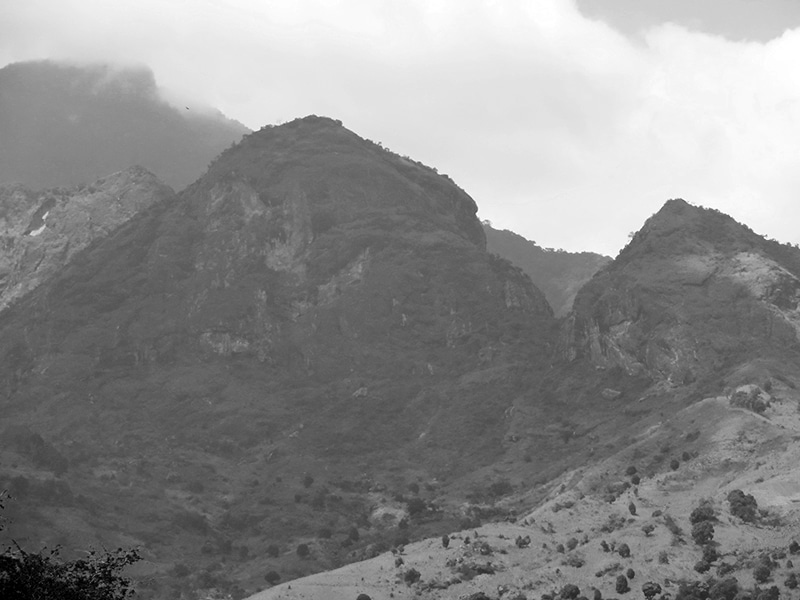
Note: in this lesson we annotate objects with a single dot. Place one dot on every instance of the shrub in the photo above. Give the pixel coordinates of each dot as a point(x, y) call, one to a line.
point(710, 553)
point(651, 590)
point(703, 533)
point(635, 480)
point(701, 566)
point(742, 505)
point(674, 464)
point(761, 573)
point(572, 543)
point(648, 528)
point(353, 534)
point(363, 597)
point(308, 481)
point(415, 506)
point(44, 575)
point(303, 550)
point(445, 541)
point(663, 557)
point(632, 508)
point(272, 577)
point(570, 592)
point(624, 550)
point(727, 589)
point(273, 550)
point(794, 547)
point(622, 585)
point(704, 512)
point(411, 576)
point(630, 573)
point(791, 581)
point(630, 471)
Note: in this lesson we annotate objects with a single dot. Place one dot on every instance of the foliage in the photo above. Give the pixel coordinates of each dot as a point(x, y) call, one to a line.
point(742, 505)
point(44, 575)
point(703, 532)
point(704, 512)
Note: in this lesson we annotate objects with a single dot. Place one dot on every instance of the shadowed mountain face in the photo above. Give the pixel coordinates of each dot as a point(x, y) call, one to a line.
point(312, 305)
point(64, 125)
point(557, 273)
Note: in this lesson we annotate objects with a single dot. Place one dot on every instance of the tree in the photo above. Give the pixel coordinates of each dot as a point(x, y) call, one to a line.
point(624, 550)
point(742, 505)
point(570, 592)
point(703, 532)
point(651, 590)
point(761, 573)
point(704, 512)
point(272, 577)
point(44, 575)
point(622, 585)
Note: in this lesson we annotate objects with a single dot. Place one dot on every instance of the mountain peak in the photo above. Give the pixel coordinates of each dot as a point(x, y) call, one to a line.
point(680, 228)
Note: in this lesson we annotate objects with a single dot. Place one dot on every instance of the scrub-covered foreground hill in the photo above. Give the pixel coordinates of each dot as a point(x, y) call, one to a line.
point(65, 124)
point(559, 274)
point(303, 347)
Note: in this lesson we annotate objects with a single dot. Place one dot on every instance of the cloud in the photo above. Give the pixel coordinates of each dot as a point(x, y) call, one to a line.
point(560, 127)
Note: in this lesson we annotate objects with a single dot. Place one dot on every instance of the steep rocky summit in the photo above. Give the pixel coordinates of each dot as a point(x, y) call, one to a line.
point(694, 293)
point(41, 231)
point(65, 124)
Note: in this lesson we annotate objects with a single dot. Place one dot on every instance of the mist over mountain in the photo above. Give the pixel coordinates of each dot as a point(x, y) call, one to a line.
point(65, 124)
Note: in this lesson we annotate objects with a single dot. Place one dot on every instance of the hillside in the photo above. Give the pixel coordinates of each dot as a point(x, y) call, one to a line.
point(65, 125)
point(559, 274)
point(40, 232)
point(304, 346)
point(661, 451)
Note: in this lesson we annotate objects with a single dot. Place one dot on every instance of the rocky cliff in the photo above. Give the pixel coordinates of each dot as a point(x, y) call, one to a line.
point(41, 231)
point(694, 293)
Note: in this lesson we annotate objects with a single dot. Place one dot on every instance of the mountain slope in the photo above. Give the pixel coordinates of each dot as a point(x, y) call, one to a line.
point(694, 294)
point(42, 231)
point(65, 125)
point(269, 358)
point(559, 274)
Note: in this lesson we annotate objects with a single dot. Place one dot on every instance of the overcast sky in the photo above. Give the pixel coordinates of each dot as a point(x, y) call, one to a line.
point(568, 121)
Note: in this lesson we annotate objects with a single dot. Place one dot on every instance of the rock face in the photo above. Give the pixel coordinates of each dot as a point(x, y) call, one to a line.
point(312, 300)
point(65, 125)
point(559, 274)
point(694, 293)
point(40, 232)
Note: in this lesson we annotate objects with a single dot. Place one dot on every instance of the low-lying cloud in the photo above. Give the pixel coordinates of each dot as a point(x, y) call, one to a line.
point(560, 127)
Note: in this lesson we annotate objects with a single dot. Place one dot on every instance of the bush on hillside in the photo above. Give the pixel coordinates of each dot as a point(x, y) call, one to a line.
point(703, 533)
point(743, 505)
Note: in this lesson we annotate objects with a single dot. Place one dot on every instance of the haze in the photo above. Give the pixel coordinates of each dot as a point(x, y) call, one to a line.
point(569, 123)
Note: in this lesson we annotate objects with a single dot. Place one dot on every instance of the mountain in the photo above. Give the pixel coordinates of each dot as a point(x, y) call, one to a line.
point(65, 125)
point(301, 347)
point(687, 487)
point(559, 274)
point(42, 231)
point(693, 295)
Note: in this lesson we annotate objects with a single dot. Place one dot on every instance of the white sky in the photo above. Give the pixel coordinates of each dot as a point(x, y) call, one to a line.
point(562, 128)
